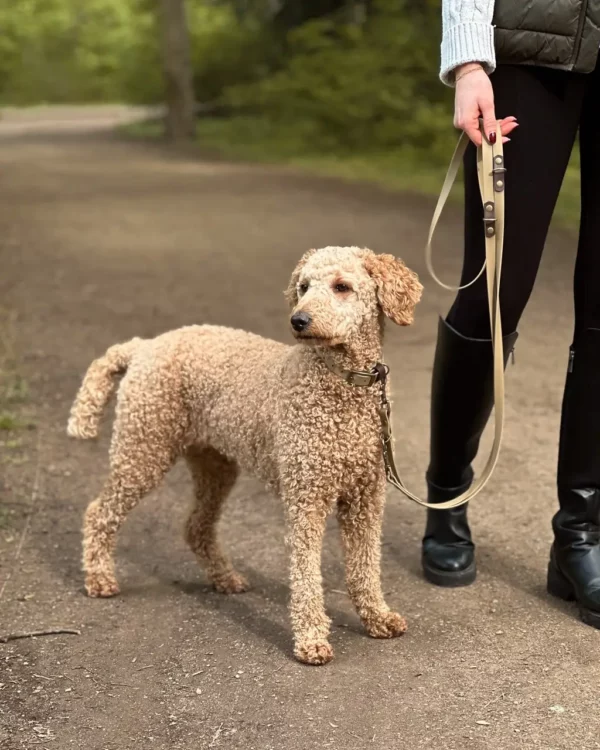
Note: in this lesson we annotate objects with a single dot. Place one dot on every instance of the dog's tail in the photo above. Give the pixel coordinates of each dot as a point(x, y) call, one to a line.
point(98, 386)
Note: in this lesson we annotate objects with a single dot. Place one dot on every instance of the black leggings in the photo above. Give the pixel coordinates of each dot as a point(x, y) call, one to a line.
point(550, 107)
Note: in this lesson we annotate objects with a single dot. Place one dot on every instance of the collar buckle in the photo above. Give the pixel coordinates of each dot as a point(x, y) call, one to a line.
point(361, 379)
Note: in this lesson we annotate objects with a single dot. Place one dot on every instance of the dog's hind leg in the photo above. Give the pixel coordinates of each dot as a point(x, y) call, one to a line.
point(214, 477)
point(136, 469)
point(147, 437)
point(360, 518)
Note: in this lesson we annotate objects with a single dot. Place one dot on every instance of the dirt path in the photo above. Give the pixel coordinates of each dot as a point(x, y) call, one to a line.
point(100, 240)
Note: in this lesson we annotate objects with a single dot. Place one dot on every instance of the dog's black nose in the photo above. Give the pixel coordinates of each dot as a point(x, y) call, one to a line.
point(301, 321)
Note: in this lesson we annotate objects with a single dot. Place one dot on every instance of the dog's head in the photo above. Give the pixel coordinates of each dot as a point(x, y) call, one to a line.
point(338, 293)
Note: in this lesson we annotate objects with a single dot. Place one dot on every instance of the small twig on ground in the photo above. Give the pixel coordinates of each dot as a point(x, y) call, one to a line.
point(352, 734)
point(36, 633)
point(337, 591)
point(216, 736)
point(141, 669)
point(32, 503)
point(494, 700)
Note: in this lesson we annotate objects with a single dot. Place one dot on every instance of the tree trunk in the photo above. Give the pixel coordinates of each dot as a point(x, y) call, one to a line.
point(177, 67)
point(294, 13)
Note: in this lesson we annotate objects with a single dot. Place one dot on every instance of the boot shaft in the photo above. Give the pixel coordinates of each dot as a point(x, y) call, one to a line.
point(462, 395)
point(578, 476)
point(579, 451)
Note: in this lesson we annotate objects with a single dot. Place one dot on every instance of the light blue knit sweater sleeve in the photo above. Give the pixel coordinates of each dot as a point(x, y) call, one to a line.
point(468, 35)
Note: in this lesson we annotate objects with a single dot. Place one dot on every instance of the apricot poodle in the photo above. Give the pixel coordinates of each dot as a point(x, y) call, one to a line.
point(227, 401)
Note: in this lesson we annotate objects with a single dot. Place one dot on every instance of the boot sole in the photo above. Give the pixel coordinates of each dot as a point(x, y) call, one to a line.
point(560, 587)
point(450, 579)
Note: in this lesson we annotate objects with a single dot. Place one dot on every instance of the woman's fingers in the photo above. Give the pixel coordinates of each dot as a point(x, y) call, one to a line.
point(508, 124)
point(489, 117)
point(507, 130)
point(473, 131)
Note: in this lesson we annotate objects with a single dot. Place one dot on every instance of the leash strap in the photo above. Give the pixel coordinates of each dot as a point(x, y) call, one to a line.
point(490, 170)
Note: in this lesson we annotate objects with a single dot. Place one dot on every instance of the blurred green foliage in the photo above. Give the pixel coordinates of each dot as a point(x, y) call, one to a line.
point(229, 51)
point(344, 86)
point(342, 81)
point(67, 51)
point(74, 50)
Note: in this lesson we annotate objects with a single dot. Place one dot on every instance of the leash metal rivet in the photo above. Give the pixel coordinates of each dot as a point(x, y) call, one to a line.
point(499, 183)
point(498, 160)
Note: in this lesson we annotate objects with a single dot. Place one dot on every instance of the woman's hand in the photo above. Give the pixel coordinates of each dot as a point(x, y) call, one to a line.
point(474, 98)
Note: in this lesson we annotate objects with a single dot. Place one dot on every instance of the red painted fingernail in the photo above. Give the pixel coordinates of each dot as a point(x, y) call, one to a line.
point(492, 137)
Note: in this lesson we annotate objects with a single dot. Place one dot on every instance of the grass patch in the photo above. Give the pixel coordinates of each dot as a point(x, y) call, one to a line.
point(13, 393)
point(255, 139)
point(5, 515)
point(9, 422)
point(16, 389)
point(13, 387)
point(11, 444)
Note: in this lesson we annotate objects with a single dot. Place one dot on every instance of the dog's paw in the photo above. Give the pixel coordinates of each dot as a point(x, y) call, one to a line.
point(234, 583)
point(313, 652)
point(101, 586)
point(385, 625)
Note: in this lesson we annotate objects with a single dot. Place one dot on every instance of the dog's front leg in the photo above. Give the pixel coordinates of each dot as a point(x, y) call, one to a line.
point(310, 624)
point(360, 517)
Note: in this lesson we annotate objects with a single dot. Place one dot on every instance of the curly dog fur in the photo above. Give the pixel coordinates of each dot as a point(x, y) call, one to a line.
point(227, 401)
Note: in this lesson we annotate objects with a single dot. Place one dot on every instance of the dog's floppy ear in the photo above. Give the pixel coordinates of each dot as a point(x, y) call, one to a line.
point(398, 288)
point(291, 293)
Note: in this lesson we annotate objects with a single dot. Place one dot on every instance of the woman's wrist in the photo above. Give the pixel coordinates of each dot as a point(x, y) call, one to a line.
point(462, 70)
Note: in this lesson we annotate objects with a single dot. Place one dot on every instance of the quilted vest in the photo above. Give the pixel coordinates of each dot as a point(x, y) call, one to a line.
point(562, 34)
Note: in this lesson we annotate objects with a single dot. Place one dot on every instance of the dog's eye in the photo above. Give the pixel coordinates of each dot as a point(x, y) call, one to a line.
point(342, 288)
point(303, 288)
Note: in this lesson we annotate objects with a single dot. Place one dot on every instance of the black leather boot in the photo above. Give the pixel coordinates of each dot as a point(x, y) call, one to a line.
point(462, 396)
point(574, 568)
